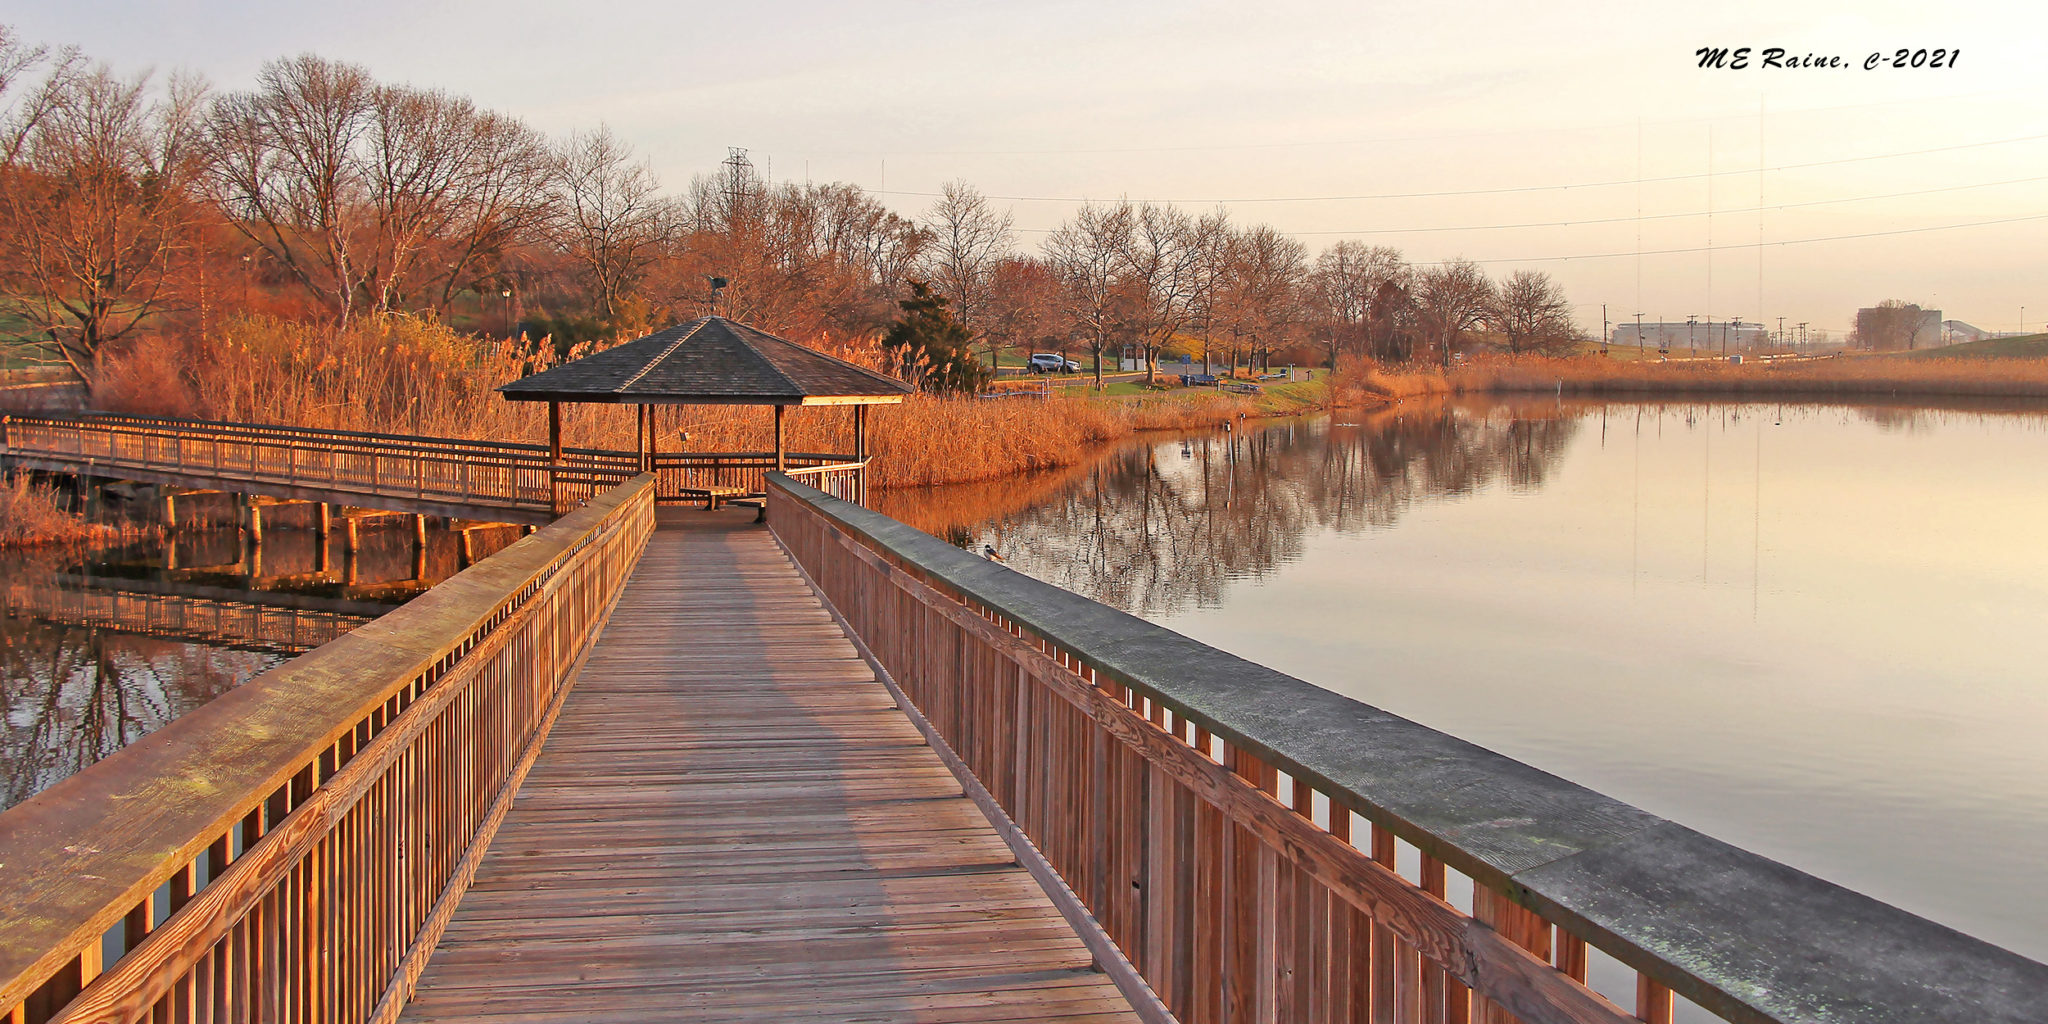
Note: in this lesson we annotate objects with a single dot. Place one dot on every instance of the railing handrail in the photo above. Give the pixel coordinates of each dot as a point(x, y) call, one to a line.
point(1746, 937)
point(77, 857)
point(236, 427)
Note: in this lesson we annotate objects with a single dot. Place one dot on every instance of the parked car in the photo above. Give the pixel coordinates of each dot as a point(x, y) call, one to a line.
point(1052, 362)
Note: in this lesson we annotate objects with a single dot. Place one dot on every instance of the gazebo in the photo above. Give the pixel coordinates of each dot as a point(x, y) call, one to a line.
point(707, 361)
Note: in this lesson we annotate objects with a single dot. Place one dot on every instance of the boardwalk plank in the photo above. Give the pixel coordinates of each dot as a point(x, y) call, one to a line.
point(733, 822)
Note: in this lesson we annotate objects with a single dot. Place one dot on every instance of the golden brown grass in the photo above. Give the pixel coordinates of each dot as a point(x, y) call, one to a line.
point(1845, 376)
point(404, 375)
point(33, 514)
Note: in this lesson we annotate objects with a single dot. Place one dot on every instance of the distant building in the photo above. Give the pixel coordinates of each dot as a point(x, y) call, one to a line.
point(1955, 332)
point(1699, 334)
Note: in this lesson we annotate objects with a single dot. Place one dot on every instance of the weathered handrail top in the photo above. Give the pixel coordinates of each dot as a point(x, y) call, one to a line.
point(533, 451)
point(76, 857)
point(1746, 937)
point(278, 430)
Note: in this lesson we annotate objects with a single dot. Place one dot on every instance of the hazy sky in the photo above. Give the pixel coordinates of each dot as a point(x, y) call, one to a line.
point(1292, 103)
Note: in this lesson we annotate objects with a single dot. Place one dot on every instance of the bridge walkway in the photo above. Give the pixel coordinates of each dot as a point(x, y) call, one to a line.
point(732, 821)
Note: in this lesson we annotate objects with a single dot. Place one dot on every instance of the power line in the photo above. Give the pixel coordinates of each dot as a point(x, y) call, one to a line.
point(1384, 139)
point(1749, 245)
point(1489, 191)
point(1653, 216)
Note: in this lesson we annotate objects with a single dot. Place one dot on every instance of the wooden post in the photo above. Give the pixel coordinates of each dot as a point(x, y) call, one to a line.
point(781, 457)
point(324, 523)
point(255, 520)
point(654, 445)
point(170, 510)
point(555, 457)
point(860, 450)
point(640, 435)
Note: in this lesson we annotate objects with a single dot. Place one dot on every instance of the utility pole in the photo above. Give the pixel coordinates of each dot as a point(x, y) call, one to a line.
point(1604, 335)
point(1781, 331)
point(1802, 334)
point(1639, 334)
point(1691, 346)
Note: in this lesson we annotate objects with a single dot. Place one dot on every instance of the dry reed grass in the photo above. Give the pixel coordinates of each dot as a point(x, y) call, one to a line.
point(33, 514)
point(929, 440)
point(405, 375)
point(1846, 376)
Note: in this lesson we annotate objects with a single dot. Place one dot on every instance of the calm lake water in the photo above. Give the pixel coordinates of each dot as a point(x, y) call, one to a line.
point(101, 647)
point(1817, 632)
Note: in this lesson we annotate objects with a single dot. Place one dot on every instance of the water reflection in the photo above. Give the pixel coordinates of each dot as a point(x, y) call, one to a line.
point(1159, 526)
point(101, 646)
point(73, 695)
point(1814, 631)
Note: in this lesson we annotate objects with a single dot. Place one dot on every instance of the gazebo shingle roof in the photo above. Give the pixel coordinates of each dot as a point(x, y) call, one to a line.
point(709, 360)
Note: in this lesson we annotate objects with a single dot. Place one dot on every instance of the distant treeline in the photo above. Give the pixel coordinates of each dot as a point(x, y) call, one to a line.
point(132, 204)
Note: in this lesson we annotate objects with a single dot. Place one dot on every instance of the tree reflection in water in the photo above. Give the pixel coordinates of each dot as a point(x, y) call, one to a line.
point(1155, 527)
point(70, 695)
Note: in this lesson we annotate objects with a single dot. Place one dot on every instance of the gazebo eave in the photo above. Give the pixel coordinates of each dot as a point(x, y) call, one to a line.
point(613, 398)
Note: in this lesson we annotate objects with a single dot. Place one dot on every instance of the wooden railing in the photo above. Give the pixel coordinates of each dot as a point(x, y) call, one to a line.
point(291, 850)
point(680, 472)
point(842, 480)
point(463, 477)
point(1236, 832)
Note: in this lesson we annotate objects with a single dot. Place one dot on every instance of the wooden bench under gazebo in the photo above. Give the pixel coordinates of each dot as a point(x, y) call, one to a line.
point(707, 361)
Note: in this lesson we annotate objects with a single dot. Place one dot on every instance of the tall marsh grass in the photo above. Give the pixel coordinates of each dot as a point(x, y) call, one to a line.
point(33, 514)
point(405, 375)
point(1845, 376)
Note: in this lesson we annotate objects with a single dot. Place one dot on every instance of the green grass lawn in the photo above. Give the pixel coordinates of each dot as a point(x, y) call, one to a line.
point(2031, 346)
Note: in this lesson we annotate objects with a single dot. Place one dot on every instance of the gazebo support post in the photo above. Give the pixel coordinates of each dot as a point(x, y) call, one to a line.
point(860, 450)
point(781, 455)
point(654, 443)
point(555, 457)
point(640, 436)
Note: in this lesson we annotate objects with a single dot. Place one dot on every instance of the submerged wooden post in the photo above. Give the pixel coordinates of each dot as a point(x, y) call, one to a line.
point(170, 510)
point(555, 457)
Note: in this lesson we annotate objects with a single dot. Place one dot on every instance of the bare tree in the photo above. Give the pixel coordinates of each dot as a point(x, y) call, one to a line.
point(969, 240)
point(1888, 326)
point(285, 171)
point(1532, 314)
point(1163, 262)
point(1261, 291)
point(1450, 300)
point(373, 196)
point(611, 216)
point(1088, 254)
point(97, 217)
point(1343, 290)
point(1024, 306)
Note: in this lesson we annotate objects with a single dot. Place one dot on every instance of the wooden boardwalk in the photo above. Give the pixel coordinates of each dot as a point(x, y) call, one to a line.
point(731, 821)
